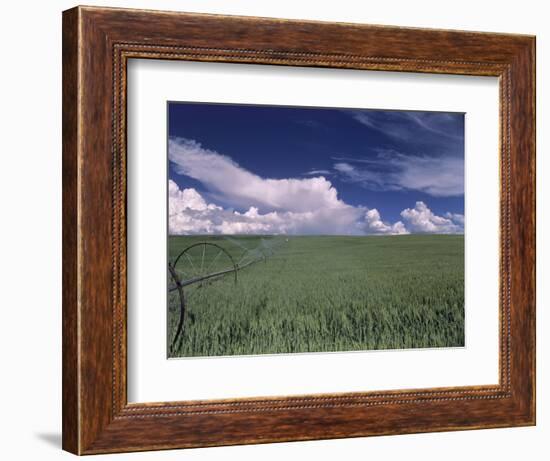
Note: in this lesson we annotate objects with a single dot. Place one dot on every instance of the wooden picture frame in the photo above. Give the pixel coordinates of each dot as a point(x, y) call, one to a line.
point(97, 43)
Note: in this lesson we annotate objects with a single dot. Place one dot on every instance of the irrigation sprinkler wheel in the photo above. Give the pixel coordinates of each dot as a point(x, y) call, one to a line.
point(203, 261)
point(196, 266)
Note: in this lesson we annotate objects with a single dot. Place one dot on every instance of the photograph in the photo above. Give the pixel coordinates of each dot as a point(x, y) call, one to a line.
point(313, 229)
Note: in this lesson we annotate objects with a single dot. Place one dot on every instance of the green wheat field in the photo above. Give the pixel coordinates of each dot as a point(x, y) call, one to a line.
point(318, 294)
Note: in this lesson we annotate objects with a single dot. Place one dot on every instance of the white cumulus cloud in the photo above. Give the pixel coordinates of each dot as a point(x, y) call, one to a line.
point(189, 213)
point(421, 219)
point(274, 206)
point(375, 225)
point(239, 187)
point(456, 217)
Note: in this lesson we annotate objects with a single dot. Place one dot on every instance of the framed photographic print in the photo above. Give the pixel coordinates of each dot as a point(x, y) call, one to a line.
point(325, 284)
point(284, 230)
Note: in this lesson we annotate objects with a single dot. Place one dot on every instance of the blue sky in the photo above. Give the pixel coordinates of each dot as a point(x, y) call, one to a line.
point(294, 165)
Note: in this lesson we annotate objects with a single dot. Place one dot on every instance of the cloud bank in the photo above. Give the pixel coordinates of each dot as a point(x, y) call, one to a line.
point(189, 213)
point(274, 206)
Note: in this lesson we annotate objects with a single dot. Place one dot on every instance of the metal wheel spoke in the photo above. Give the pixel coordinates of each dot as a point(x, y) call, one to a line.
point(190, 262)
point(243, 256)
point(202, 259)
point(213, 261)
point(182, 273)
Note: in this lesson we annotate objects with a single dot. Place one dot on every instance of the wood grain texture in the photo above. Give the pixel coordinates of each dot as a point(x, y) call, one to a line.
point(70, 384)
point(97, 43)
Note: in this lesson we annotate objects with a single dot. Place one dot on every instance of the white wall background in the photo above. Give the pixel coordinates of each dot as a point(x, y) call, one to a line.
point(30, 247)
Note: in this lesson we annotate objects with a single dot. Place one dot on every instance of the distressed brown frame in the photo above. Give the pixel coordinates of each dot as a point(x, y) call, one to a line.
point(97, 43)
